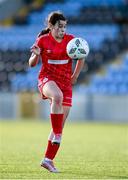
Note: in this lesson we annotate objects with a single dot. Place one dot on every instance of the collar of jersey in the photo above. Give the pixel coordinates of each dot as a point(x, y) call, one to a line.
point(50, 35)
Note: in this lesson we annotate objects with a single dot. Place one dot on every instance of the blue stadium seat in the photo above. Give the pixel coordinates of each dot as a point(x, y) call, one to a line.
point(90, 3)
point(23, 37)
point(114, 82)
point(25, 82)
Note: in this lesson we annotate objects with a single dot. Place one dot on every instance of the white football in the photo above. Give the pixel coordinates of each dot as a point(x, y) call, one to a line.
point(77, 48)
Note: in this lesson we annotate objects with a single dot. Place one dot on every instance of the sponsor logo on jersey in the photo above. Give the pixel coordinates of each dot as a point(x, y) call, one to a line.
point(45, 80)
point(49, 51)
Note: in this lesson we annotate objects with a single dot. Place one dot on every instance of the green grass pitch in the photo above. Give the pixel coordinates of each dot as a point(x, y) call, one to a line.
point(88, 151)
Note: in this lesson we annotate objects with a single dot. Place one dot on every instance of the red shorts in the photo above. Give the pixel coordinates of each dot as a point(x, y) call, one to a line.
point(67, 93)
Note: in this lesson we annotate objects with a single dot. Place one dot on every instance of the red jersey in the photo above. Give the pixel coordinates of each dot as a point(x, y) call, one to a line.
point(56, 65)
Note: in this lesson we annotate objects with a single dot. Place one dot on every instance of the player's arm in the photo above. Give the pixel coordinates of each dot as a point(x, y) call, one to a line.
point(77, 70)
point(34, 58)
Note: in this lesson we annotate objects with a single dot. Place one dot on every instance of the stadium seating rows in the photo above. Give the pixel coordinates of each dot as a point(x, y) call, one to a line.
point(75, 6)
point(25, 82)
point(23, 37)
point(20, 38)
point(114, 82)
point(100, 2)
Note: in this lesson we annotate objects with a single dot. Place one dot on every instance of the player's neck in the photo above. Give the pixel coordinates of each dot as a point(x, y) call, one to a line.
point(57, 38)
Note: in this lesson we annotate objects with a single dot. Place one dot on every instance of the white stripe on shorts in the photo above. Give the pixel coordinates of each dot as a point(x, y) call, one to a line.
point(50, 61)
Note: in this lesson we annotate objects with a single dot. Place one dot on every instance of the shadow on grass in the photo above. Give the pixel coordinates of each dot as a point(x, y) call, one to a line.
point(92, 176)
point(119, 177)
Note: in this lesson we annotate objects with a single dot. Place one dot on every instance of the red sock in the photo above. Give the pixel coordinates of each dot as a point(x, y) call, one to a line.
point(51, 150)
point(57, 123)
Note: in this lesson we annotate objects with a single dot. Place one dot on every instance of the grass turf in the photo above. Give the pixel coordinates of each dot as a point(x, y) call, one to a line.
point(88, 151)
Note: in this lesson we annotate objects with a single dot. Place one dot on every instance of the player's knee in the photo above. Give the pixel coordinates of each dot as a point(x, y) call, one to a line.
point(58, 98)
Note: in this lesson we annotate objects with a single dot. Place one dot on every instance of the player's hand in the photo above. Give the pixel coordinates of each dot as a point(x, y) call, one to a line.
point(73, 79)
point(35, 49)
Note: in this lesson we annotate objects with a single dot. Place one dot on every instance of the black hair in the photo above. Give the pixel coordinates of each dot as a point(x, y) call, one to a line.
point(53, 17)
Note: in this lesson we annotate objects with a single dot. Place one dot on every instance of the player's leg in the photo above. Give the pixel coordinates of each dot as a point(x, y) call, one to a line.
point(67, 102)
point(52, 136)
point(52, 149)
point(66, 110)
point(53, 92)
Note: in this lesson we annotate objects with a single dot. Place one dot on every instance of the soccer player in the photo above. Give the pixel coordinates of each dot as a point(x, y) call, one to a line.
point(55, 78)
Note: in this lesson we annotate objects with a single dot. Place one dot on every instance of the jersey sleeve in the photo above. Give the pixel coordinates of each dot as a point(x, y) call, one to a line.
point(39, 42)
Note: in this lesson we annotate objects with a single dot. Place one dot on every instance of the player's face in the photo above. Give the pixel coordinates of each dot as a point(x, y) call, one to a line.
point(59, 29)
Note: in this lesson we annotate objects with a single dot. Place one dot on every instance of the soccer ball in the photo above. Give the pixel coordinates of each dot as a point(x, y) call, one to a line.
point(77, 48)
